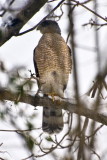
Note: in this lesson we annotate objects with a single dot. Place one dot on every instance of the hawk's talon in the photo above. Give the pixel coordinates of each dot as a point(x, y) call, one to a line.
point(52, 95)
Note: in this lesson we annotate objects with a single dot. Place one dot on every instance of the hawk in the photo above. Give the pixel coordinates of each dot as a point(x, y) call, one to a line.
point(52, 62)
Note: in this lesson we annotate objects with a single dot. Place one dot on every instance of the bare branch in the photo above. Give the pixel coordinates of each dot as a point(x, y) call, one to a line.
point(95, 131)
point(84, 6)
point(18, 130)
point(93, 23)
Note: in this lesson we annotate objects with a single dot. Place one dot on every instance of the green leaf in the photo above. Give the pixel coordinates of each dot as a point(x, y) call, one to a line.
point(49, 139)
point(30, 143)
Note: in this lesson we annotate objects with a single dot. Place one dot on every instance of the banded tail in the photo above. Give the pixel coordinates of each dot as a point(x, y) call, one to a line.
point(52, 120)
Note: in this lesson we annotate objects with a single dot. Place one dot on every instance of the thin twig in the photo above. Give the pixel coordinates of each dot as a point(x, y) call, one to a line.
point(18, 130)
point(87, 8)
point(95, 131)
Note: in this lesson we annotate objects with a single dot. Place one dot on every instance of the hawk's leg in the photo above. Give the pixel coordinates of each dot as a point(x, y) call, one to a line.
point(52, 95)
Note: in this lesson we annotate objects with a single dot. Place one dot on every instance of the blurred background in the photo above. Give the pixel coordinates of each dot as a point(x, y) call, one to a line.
point(16, 55)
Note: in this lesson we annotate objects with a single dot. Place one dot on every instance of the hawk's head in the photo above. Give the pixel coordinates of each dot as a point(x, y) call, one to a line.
point(49, 26)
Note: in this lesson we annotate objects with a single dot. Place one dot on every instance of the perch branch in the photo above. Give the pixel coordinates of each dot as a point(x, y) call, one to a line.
point(45, 101)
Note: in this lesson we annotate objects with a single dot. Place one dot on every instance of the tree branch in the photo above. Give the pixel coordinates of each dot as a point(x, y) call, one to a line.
point(45, 101)
point(20, 19)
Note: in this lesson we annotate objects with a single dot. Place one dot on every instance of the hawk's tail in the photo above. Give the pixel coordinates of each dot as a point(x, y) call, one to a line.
point(52, 120)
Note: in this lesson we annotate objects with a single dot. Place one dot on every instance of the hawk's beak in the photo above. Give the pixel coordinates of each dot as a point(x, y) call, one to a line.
point(38, 27)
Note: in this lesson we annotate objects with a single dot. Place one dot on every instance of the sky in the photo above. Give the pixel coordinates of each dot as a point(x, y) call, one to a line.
point(18, 51)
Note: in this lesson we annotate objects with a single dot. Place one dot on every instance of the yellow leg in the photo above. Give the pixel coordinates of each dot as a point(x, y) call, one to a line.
point(53, 98)
point(52, 95)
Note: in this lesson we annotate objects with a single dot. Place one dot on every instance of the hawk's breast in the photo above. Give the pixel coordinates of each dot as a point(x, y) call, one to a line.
point(53, 61)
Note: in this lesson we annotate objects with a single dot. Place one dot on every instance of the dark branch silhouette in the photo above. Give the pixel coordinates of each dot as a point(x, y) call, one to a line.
point(20, 19)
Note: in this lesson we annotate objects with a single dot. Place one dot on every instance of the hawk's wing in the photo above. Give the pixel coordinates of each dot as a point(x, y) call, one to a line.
point(70, 51)
point(35, 65)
